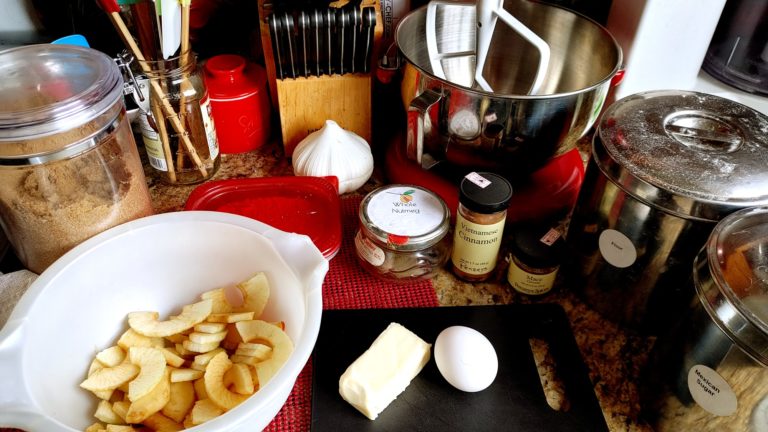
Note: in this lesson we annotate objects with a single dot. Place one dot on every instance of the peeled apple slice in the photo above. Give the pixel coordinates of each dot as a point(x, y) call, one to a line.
point(151, 363)
point(255, 293)
point(214, 383)
point(147, 323)
point(282, 346)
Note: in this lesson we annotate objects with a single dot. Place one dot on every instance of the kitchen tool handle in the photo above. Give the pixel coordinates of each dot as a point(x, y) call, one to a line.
point(274, 35)
point(420, 112)
point(16, 407)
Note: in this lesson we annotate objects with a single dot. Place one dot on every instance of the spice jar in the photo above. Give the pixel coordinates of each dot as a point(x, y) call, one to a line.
point(402, 233)
point(483, 201)
point(536, 254)
point(69, 166)
point(182, 145)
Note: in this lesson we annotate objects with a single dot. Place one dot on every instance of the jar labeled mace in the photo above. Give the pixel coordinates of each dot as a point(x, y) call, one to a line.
point(483, 201)
point(536, 255)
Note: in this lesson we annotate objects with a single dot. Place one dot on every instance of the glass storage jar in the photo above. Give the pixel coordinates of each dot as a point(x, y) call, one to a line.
point(403, 233)
point(69, 166)
point(183, 147)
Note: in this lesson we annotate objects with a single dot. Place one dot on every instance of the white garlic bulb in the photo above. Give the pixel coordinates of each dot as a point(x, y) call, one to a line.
point(333, 151)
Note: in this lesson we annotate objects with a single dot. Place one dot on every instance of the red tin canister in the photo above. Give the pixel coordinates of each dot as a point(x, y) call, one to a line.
point(239, 102)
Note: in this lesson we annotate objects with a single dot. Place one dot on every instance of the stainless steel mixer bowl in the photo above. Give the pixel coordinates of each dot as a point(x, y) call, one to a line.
point(506, 130)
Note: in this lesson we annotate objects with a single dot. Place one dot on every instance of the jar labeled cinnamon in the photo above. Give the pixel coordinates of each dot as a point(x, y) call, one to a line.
point(483, 201)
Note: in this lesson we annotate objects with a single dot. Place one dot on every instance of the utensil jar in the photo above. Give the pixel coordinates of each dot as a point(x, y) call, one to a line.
point(181, 146)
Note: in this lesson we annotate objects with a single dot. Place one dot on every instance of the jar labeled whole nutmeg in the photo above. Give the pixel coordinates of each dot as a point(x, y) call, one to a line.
point(483, 201)
point(403, 233)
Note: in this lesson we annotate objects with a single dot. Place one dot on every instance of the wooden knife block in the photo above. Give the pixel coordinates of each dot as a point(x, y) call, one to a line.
point(304, 104)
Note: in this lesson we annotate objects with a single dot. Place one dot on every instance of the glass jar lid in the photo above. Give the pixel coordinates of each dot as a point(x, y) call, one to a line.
point(404, 217)
point(695, 155)
point(50, 89)
point(731, 278)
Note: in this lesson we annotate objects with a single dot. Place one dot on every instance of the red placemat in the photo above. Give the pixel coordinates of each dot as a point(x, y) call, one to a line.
point(348, 286)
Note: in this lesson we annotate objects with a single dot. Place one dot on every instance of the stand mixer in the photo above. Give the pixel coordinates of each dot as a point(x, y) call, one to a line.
point(476, 98)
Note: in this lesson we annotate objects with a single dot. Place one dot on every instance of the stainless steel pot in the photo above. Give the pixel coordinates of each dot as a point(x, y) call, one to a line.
point(666, 167)
point(710, 372)
point(507, 130)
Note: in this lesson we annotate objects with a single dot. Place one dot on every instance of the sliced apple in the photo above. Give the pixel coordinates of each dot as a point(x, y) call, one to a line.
point(101, 394)
point(105, 413)
point(121, 408)
point(258, 351)
point(95, 427)
point(119, 428)
point(203, 359)
point(160, 423)
point(185, 374)
point(172, 358)
point(230, 317)
point(147, 323)
point(219, 298)
point(282, 346)
point(200, 392)
point(110, 378)
point(255, 293)
point(151, 362)
point(214, 383)
point(203, 411)
point(195, 347)
point(151, 402)
point(209, 327)
point(130, 339)
point(111, 356)
point(203, 338)
point(238, 378)
point(182, 400)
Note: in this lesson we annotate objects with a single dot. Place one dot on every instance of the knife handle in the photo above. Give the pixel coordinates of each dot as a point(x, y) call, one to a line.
point(290, 44)
point(368, 26)
point(304, 48)
point(274, 34)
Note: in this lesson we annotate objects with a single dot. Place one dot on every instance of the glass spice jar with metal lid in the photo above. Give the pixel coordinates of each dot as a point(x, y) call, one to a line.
point(403, 233)
point(483, 201)
point(536, 252)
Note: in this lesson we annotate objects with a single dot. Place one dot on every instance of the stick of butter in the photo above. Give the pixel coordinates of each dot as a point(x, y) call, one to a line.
point(383, 371)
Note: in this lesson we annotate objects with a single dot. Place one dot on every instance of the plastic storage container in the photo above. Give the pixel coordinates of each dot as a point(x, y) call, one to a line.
point(69, 166)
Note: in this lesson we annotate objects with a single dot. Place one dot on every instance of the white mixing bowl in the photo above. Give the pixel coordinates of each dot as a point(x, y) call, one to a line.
point(78, 307)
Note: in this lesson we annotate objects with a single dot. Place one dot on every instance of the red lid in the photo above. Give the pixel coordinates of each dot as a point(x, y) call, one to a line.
point(304, 205)
point(229, 76)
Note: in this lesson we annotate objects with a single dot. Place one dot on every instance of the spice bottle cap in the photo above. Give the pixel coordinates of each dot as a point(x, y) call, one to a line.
point(485, 192)
point(537, 246)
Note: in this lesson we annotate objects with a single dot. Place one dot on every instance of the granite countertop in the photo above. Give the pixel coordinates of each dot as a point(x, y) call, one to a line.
point(613, 355)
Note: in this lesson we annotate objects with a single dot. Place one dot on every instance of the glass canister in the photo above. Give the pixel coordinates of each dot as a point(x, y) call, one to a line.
point(710, 371)
point(69, 166)
point(182, 148)
point(403, 233)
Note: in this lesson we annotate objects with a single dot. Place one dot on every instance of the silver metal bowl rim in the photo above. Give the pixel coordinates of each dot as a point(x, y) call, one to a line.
point(617, 68)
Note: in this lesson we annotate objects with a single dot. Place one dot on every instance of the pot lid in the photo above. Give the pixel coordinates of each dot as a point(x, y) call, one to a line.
point(691, 154)
point(303, 205)
point(731, 279)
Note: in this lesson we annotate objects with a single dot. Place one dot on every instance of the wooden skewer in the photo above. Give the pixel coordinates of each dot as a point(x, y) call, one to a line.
point(185, 4)
point(114, 13)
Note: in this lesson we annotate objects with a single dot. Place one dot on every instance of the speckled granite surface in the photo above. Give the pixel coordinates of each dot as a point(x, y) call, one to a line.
point(614, 356)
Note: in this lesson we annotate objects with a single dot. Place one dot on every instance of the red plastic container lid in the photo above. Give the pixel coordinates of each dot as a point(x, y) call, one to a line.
point(303, 205)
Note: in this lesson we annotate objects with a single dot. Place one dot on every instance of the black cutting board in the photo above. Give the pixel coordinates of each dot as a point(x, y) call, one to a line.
point(515, 400)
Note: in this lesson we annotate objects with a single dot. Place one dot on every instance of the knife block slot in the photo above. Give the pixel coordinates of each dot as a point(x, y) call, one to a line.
point(305, 103)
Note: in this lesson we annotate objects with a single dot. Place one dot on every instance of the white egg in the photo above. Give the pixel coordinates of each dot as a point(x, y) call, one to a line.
point(466, 358)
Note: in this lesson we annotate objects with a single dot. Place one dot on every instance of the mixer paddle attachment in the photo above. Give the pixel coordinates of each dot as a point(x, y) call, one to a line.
point(487, 13)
